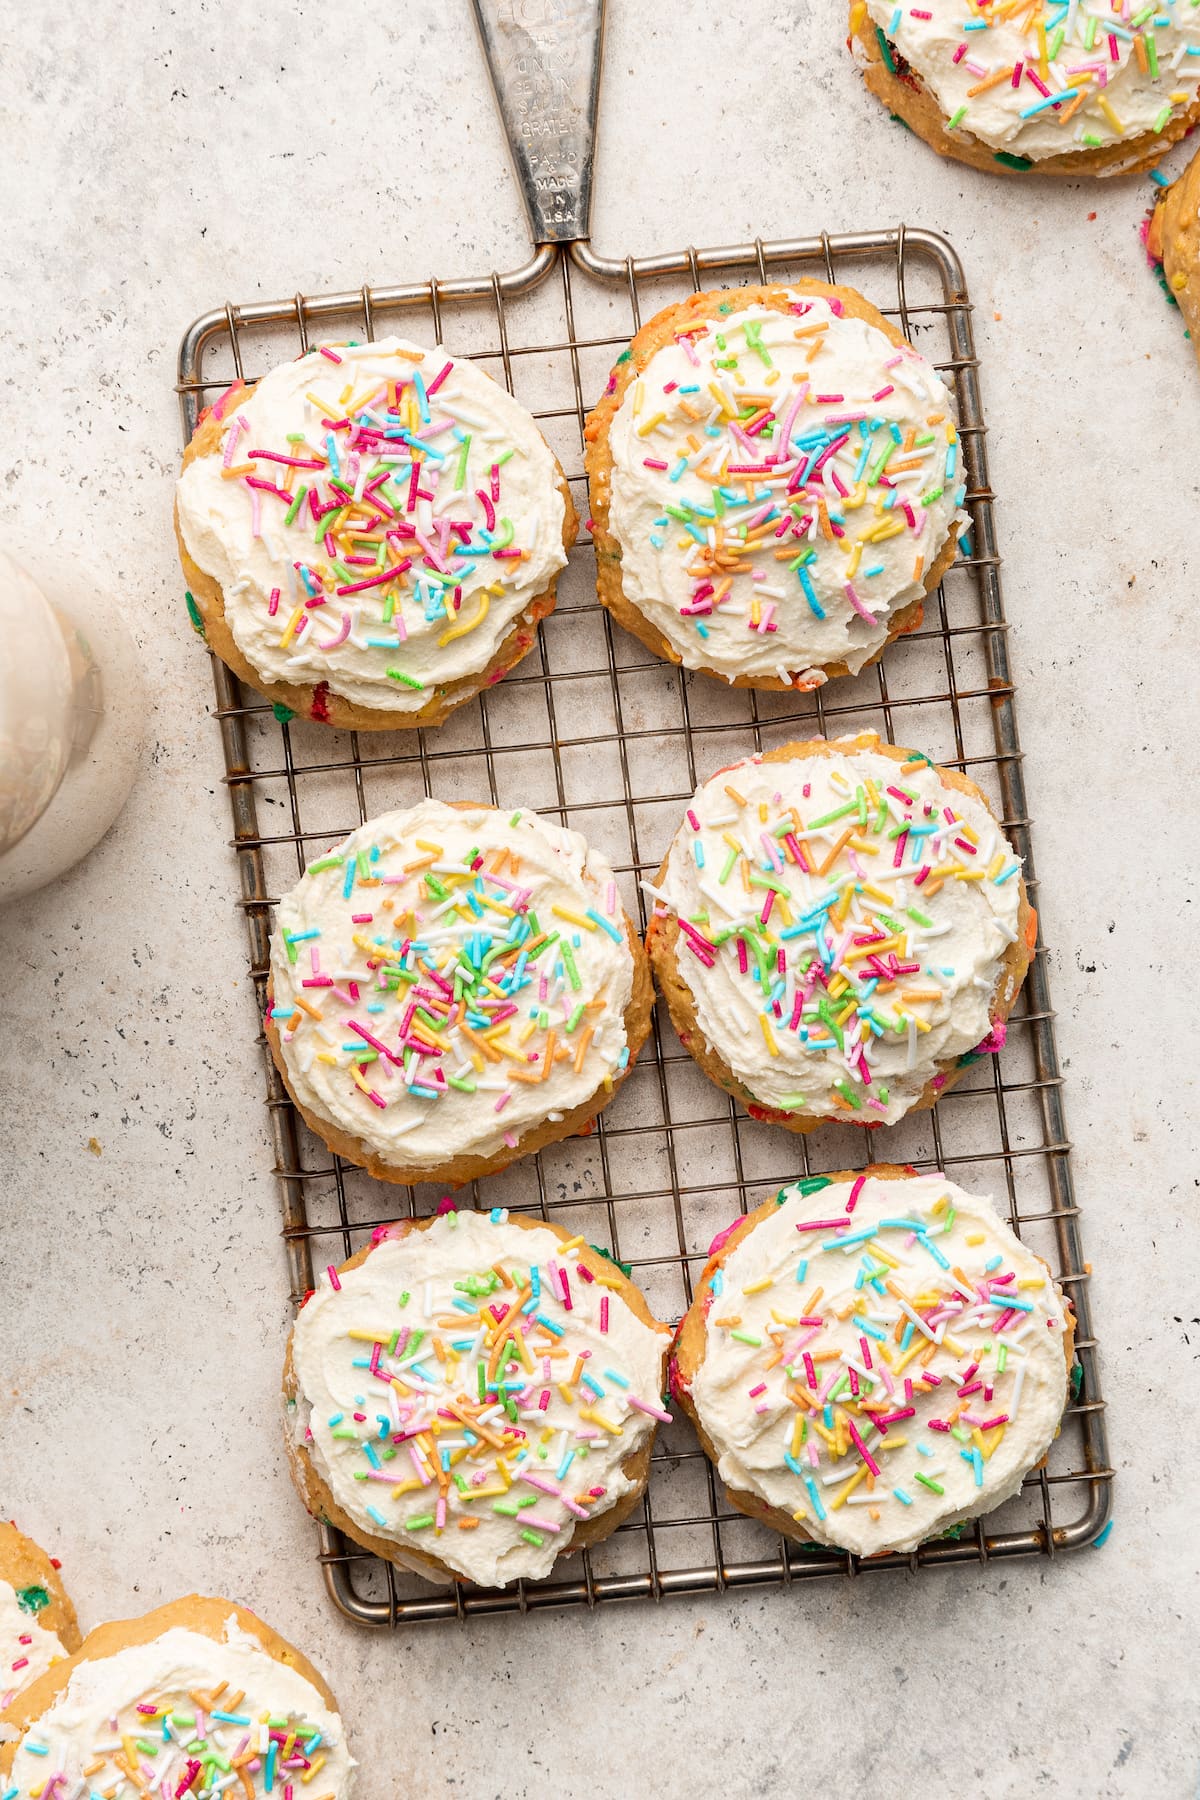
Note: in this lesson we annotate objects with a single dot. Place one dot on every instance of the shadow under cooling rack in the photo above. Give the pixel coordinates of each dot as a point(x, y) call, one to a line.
point(596, 733)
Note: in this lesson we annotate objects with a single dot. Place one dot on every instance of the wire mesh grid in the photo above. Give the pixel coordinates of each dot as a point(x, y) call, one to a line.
point(598, 734)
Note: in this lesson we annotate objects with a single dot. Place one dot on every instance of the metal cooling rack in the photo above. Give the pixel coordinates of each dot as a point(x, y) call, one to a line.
point(598, 734)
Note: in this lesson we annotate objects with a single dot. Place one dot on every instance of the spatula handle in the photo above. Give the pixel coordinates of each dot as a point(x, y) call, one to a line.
point(544, 59)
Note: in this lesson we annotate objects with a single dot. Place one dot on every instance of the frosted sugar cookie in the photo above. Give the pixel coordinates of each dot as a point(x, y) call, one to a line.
point(1057, 90)
point(452, 987)
point(37, 1620)
point(474, 1396)
point(871, 1359)
point(776, 483)
point(197, 1699)
point(371, 534)
point(838, 926)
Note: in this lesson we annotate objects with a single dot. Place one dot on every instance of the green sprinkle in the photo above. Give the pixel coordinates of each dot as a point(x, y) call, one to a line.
point(935, 1487)
point(282, 713)
point(532, 1537)
point(812, 1184)
point(399, 675)
point(1017, 162)
point(194, 615)
point(956, 118)
point(290, 515)
point(747, 1337)
point(32, 1599)
point(418, 1522)
point(885, 50)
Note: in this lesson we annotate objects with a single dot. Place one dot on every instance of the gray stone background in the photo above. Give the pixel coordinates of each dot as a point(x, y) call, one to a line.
point(155, 160)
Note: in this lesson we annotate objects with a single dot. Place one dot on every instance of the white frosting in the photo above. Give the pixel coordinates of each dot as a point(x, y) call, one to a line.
point(919, 1000)
point(176, 1672)
point(494, 1504)
point(1095, 54)
point(371, 954)
point(752, 571)
point(1000, 1371)
point(475, 439)
point(27, 1649)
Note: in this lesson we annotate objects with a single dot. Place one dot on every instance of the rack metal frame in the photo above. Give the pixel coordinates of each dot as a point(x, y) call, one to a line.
point(548, 330)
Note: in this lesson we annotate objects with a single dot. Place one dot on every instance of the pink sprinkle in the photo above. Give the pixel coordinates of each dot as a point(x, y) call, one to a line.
point(861, 1447)
point(503, 1101)
point(273, 603)
point(1114, 49)
point(756, 1391)
point(568, 1303)
point(852, 1202)
point(652, 462)
point(327, 352)
point(361, 918)
point(1018, 69)
point(438, 379)
point(333, 1278)
point(644, 1406)
point(235, 431)
point(510, 1140)
point(883, 393)
point(604, 1312)
point(544, 1402)
point(693, 821)
point(342, 634)
point(857, 604)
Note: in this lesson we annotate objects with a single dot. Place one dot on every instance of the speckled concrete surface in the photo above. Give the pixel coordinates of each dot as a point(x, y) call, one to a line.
point(159, 158)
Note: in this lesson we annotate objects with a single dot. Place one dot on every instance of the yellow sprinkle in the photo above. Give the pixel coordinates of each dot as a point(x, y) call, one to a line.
point(1106, 108)
point(768, 1034)
point(842, 1494)
point(289, 630)
point(573, 918)
point(466, 625)
point(597, 1418)
point(754, 1287)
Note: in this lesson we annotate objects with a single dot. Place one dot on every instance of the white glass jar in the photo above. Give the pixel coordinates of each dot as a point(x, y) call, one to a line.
point(70, 727)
